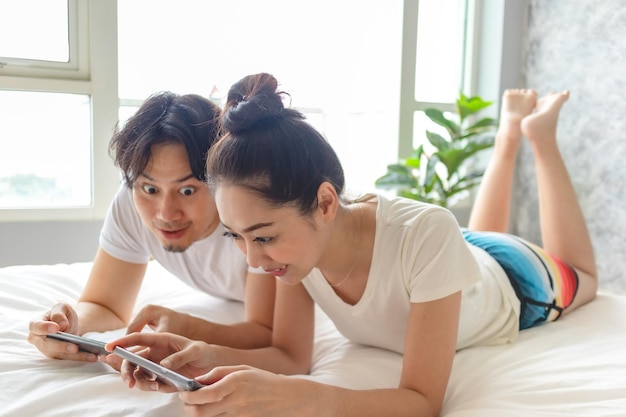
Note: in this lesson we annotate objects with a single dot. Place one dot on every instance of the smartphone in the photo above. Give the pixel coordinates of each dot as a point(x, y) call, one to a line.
point(84, 343)
point(180, 382)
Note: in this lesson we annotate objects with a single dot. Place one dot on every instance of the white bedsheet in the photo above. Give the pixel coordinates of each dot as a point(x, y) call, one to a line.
point(574, 367)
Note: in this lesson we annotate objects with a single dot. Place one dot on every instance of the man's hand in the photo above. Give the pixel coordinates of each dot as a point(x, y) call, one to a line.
point(61, 317)
point(160, 319)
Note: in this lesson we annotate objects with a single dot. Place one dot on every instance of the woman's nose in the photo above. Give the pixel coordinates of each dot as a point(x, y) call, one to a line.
point(254, 255)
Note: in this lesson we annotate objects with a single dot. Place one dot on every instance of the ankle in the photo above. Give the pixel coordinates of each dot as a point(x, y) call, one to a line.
point(506, 145)
point(545, 147)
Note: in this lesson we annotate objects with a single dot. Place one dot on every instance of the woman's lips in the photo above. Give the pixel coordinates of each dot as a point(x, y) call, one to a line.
point(277, 272)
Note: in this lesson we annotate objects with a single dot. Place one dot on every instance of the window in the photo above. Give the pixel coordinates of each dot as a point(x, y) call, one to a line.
point(343, 62)
point(56, 107)
point(41, 27)
point(434, 63)
point(340, 66)
point(47, 136)
point(41, 38)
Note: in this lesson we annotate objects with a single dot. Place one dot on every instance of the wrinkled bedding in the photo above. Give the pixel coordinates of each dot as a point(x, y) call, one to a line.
point(573, 367)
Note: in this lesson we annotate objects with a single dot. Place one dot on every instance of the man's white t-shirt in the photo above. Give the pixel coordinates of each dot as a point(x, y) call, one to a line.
point(420, 255)
point(213, 265)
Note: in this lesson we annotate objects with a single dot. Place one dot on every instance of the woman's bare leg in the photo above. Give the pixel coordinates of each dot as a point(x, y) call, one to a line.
point(563, 228)
point(491, 210)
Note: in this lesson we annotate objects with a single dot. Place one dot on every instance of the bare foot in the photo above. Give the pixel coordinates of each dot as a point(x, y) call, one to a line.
point(516, 104)
point(541, 125)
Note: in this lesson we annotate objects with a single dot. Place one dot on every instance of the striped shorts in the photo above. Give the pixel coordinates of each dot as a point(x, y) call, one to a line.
point(544, 284)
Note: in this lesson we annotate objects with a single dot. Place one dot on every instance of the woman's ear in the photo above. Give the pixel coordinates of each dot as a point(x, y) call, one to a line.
point(327, 201)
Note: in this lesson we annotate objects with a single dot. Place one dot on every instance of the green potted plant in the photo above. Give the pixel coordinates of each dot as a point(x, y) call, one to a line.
point(441, 173)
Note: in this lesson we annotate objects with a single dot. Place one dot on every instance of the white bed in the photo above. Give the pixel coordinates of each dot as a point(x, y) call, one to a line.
point(574, 367)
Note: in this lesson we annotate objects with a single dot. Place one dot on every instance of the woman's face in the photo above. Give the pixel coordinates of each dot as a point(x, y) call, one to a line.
point(279, 240)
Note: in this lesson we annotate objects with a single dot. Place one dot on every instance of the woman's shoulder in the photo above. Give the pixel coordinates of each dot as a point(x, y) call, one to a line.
point(401, 210)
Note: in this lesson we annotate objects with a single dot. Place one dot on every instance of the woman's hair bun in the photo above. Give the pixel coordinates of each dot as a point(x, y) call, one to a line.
point(251, 100)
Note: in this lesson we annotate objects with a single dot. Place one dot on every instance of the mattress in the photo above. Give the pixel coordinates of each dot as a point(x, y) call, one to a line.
point(573, 367)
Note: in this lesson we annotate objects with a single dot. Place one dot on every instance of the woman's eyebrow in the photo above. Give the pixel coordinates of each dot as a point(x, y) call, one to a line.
point(251, 228)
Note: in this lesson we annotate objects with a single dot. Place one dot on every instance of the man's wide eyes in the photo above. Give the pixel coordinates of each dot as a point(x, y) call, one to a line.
point(187, 190)
point(149, 189)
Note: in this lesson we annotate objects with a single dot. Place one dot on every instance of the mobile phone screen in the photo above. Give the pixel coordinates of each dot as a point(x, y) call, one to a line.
point(85, 344)
point(182, 383)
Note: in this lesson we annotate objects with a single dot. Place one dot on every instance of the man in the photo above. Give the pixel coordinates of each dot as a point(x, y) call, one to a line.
point(164, 211)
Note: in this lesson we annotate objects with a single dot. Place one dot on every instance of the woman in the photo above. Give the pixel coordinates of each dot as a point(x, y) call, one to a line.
point(393, 273)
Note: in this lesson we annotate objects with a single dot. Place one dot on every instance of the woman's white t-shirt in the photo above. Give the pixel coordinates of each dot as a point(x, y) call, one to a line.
point(420, 255)
point(213, 265)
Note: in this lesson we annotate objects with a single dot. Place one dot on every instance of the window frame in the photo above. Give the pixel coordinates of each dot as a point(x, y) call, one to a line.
point(92, 74)
point(408, 103)
point(78, 65)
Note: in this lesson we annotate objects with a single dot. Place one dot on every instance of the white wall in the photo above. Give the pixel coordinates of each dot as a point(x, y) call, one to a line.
point(48, 242)
point(580, 46)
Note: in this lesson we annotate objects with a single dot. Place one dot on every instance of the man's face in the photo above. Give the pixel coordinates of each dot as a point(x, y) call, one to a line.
point(176, 207)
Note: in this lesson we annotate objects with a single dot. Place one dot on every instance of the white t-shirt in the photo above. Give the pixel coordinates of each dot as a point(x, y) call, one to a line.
point(420, 255)
point(213, 265)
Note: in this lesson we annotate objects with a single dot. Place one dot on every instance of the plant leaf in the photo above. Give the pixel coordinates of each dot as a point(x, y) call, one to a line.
point(431, 173)
point(394, 181)
point(482, 124)
point(415, 161)
point(414, 196)
point(437, 140)
point(439, 118)
point(399, 169)
point(479, 144)
point(466, 185)
point(470, 105)
point(452, 158)
point(440, 191)
point(422, 177)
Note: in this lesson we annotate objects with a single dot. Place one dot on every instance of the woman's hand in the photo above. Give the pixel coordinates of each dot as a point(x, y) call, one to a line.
point(60, 318)
point(177, 353)
point(245, 392)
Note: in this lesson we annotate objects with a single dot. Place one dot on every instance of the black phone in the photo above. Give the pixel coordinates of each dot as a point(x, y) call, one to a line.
point(84, 343)
point(180, 382)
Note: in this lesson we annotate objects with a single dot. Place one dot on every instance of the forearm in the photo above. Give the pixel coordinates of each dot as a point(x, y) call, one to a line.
point(93, 317)
point(244, 335)
point(399, 402)
point(268, 358)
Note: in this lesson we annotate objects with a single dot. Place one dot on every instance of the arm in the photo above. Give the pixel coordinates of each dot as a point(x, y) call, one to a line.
point(290, 353)
point(427, 362)
point(254, 332)
point(429, 353)
point(109, 297)
point(105, 304)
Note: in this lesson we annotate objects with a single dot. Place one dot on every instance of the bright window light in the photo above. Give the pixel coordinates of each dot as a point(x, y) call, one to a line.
point(440, 38)
point(45, 150)
point(37, 30)
point(339, 60)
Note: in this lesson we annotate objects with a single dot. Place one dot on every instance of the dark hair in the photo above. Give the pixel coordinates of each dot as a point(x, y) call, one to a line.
point(166, 117)
point(271, 149)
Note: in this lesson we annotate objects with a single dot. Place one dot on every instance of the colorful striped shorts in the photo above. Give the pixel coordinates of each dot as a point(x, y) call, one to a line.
point(544, 284)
